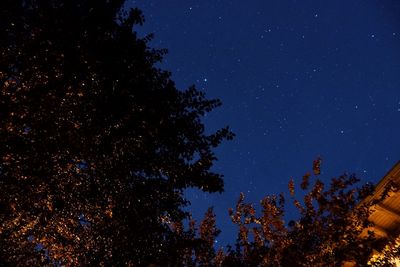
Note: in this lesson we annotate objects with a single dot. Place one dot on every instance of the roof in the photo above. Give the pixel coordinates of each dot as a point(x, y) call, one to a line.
point(385, 214)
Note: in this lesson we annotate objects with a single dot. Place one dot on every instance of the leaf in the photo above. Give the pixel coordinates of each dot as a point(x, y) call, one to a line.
point(291, 187)
point(317, 166)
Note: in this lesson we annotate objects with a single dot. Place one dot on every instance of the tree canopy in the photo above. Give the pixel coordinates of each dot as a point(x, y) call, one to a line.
point(96, 142)
point(327, 232)
point(332, 228)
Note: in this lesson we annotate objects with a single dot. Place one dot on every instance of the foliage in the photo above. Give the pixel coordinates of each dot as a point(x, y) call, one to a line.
point(330, 230)
point(195, 244)
point(327, 232)
point(96, 143)
point(386, 257)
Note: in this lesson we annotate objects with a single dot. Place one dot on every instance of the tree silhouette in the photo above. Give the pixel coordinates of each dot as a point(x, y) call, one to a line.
point(327, 232)
point(96, 143)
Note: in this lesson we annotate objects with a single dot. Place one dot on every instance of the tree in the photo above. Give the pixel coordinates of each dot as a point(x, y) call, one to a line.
point(96, 143)
point(333, 229)
point(194, 245)
point(327, 233)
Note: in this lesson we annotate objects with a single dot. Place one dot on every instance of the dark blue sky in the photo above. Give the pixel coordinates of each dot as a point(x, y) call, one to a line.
point(297, 79)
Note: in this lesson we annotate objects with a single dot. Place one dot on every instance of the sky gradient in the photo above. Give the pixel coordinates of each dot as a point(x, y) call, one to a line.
point(298, 80)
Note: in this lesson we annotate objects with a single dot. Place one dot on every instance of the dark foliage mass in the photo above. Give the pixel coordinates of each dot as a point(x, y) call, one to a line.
point(327, 233)
point(332, 229)
point(96, 143)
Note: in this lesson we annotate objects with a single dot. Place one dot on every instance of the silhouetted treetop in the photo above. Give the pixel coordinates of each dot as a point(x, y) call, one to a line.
point(96, 143)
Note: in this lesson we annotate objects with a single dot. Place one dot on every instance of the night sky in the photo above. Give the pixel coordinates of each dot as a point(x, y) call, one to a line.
point(298, 80)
